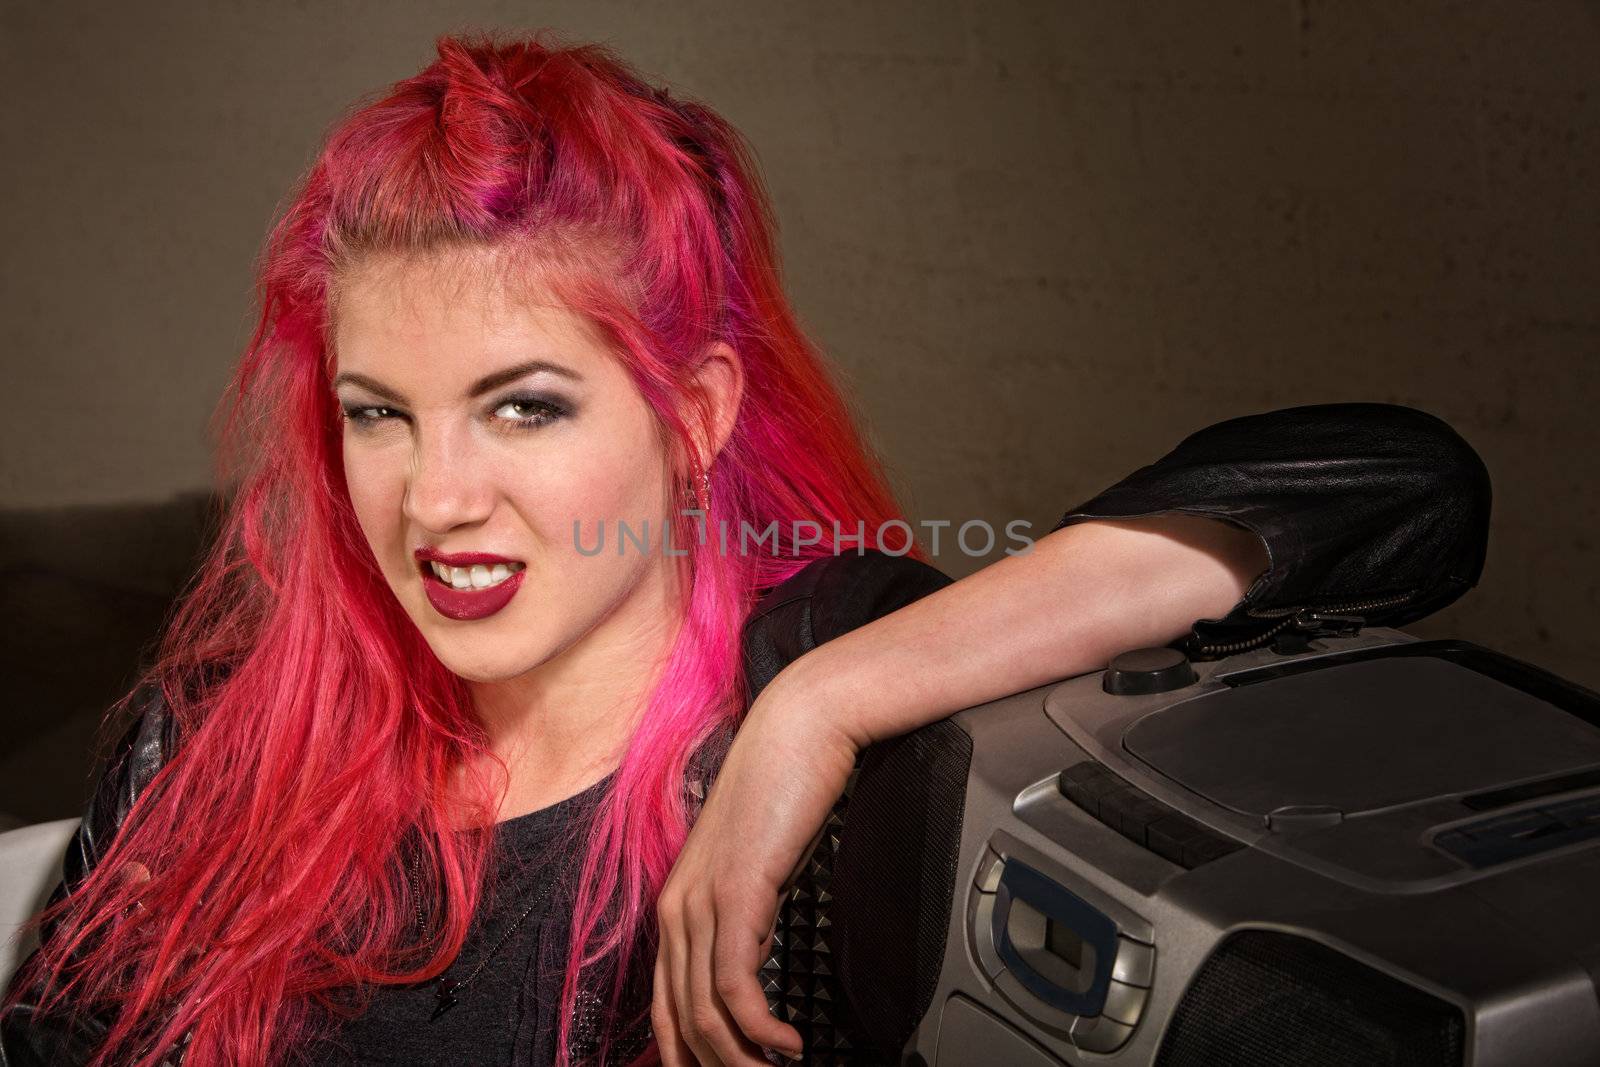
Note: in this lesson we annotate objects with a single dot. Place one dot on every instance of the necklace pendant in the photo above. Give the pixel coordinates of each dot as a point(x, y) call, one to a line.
point(446, 994)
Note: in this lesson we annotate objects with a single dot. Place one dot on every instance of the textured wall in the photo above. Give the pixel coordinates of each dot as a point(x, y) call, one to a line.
point(1042, 240)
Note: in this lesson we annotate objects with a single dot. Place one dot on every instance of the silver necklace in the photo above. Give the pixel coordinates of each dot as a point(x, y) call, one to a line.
point(445, 990)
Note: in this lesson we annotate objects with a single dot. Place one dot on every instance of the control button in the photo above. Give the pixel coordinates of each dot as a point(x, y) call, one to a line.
point(1096, 1033)
point(1032, 1006)
point(1124, 1003)
point(989, 869)
point(983, 933)
point(1147, 670)
point(1135, 963)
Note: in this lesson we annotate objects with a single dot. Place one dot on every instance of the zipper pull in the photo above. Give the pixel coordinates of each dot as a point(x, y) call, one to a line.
point(1310, 621)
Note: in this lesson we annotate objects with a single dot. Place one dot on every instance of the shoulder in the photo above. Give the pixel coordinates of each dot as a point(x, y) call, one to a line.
point(827, 597)
point(144, 747)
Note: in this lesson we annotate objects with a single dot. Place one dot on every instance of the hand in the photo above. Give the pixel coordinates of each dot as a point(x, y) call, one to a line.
point(787, 766)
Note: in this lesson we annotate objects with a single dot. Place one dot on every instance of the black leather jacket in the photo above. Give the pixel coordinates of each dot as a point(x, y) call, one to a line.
point(1371, 514)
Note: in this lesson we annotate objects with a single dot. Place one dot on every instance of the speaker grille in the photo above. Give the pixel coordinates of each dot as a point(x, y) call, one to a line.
point(1265, 999)
point(894, 878)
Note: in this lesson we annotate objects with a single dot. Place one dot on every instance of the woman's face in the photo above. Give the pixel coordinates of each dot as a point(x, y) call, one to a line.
point(480, 425)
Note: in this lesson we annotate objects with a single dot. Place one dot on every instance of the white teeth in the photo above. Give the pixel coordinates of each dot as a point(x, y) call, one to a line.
point(478, 576)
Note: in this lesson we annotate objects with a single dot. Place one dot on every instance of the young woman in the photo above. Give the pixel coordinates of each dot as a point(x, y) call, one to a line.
point(413, 775)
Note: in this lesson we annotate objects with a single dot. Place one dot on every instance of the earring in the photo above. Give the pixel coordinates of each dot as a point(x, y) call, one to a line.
point(702, 500)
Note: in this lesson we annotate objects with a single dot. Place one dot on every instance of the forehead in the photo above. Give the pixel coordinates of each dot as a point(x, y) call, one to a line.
point(463, 309)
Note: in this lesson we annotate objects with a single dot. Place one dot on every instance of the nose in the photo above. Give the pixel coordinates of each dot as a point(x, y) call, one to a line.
point(447, 489)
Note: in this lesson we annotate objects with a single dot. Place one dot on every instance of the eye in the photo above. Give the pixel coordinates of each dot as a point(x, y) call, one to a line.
point(529, 412)
point(363, 416)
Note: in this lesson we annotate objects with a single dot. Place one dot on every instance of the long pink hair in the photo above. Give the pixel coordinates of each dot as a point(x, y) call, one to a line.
point(316, 733)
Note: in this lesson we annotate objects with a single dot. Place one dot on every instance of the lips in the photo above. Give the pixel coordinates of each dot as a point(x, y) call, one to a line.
point(465, 605)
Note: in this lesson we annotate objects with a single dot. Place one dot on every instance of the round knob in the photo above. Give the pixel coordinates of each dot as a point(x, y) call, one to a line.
point(1147, 670)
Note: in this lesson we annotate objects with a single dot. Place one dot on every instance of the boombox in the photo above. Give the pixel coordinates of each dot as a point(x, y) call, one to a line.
point(1373, 850)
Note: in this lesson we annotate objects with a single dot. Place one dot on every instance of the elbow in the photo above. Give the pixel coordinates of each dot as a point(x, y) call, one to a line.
point(1457, 493)
point(1448, 492)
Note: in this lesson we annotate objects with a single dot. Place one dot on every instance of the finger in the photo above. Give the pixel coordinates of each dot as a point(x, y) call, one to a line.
point(664, 1017)
point(676, 933)
point(691, 1019)
point(736, 963)
point(711, 1015)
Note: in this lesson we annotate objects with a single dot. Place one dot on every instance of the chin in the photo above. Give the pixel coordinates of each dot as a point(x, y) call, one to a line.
point(486, 665)
point(476, 653)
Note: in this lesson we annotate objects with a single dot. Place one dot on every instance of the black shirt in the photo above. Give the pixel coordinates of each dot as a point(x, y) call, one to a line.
point(496, 1020)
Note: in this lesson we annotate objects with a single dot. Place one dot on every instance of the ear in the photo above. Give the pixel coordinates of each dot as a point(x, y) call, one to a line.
point(718, 385)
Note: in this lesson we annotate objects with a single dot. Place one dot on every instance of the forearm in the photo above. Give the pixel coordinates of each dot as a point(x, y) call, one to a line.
point(1079, 596)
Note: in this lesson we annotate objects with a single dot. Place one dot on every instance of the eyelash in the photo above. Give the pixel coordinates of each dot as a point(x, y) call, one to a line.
point(544, 413)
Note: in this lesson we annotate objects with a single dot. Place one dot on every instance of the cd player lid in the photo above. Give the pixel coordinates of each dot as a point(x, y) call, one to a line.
point(1360, 737)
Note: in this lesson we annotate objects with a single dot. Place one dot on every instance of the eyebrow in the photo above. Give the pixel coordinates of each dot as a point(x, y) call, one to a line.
point(487, 383)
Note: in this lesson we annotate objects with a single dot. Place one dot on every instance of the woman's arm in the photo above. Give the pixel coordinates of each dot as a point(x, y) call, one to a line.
point(1078, 597)
point(1374, 512)
point(1369, 511)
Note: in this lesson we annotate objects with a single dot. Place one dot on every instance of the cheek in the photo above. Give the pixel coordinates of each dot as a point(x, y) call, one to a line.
point(375, 497)
point(565, 507)
point(616, 474)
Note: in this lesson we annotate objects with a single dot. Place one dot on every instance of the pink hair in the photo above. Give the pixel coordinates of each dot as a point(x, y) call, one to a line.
point(316, 731)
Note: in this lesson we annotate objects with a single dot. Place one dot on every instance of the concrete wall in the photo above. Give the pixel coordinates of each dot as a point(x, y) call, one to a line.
point(1042, 240)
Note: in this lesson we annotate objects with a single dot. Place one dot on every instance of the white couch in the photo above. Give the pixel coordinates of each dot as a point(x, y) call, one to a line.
point(30, 866)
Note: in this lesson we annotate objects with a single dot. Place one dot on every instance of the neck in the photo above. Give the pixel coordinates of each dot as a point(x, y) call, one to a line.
point(565, 724)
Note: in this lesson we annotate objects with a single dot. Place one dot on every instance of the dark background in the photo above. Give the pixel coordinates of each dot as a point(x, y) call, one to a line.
point(1041, 240)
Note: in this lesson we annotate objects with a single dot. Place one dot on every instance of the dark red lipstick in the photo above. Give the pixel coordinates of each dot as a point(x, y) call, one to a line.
point(473, 602)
